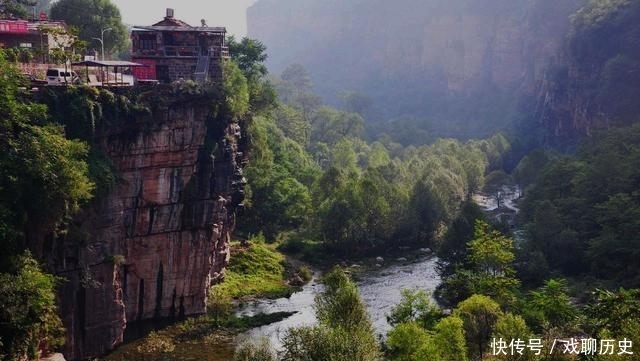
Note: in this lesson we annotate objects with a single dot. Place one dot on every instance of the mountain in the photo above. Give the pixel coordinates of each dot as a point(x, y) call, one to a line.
point(457, 66)
point(595, 82)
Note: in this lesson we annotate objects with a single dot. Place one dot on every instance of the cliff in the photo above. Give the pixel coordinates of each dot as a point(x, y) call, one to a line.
point(594, 84)
point(451, 60)
point(154, 242)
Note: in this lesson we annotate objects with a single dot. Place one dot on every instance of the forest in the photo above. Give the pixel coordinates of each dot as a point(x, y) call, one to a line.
point(326, 182)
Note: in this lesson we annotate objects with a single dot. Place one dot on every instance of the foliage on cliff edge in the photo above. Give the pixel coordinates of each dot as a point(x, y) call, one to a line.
point(43, 180)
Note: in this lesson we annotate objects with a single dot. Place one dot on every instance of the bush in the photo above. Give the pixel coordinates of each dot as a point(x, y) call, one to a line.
point(250, 351)
point(305, 273)
point(156, 343)
point(220, 305)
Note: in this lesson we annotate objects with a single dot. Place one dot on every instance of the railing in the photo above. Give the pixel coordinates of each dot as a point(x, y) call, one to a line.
point(183, 51)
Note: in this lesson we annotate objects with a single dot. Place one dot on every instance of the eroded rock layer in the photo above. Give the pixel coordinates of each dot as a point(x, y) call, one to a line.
point(152, 246)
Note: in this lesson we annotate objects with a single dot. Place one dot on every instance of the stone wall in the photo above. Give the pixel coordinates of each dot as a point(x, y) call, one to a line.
point(152, 246)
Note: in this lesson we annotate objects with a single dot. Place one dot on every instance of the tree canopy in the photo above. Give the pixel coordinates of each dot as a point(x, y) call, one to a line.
point(90, 18)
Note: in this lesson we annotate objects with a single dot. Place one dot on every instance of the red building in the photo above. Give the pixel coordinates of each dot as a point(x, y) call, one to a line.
point(173, 49)
point(38, 37)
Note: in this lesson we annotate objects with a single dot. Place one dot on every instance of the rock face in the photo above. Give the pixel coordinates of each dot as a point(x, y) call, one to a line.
point(595, 83)
point(156, 242)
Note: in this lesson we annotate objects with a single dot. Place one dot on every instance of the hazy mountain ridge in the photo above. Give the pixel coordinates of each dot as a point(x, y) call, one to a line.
point(456, 62)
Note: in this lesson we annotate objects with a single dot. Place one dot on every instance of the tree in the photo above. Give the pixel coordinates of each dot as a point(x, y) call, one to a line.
point(449, 339)
point(249, 55)
point(415, 306)
point(44, 176)
point(344, 332)
point(15, 8)
point(90, 18)
point(491, 257)
point(408, 341)
point(512, 327)
point(494, 184)
point(452, 251)
point(295, 89)
point(615, 315)
point(44, 180)
point(43, 6)
point(28, 315)
point(479, 314)
point(354, 102)
point(550, 307)
point(236, 89)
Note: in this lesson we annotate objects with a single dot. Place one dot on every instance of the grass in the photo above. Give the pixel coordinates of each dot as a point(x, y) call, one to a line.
point(254, 271)
point(203, 338)
point(310, 251)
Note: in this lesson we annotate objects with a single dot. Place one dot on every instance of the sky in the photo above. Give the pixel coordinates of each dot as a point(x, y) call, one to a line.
point(228, 13)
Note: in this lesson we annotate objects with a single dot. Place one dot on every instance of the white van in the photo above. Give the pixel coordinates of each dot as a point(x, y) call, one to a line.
point(57, 76)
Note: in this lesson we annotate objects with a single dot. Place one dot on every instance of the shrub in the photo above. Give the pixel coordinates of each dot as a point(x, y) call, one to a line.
point(255, 351)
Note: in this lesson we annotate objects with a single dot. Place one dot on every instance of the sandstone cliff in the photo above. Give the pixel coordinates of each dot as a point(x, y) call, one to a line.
point(595, 83)
point(151, 247)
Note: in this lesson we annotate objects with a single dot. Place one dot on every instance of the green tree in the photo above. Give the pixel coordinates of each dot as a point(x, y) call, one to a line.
point(354, 102)
point(250, 55)
point(592, 215)
point(293, 125)
point(479, 314)
point(91, 17)
point(449, 339)
point(44, 180)
point(236, 89)
point(45, 176)
point(415, 306)
point(550, 307)
point(28, 316)
point(452, 250)
point(491, 256)
point(408, 341)
point(295, 89)
point(344, 332)
point(43, 6)
point(510, 327)
point(15, 8)
point(615, 315)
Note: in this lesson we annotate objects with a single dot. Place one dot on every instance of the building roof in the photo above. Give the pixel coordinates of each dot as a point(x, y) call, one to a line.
point(203, 29)
point(169, 23)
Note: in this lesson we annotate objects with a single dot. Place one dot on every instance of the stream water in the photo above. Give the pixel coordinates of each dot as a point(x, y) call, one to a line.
point(379, 287)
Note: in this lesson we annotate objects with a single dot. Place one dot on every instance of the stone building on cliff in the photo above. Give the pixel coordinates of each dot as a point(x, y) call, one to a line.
point(173, 49)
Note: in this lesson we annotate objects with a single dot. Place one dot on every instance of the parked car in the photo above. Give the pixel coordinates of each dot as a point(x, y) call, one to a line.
point(56, 76)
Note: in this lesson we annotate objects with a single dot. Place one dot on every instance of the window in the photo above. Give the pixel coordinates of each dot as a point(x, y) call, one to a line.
point(147, 42)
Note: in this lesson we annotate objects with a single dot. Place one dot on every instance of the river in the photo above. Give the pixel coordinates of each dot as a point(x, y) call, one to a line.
point(379, 288)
